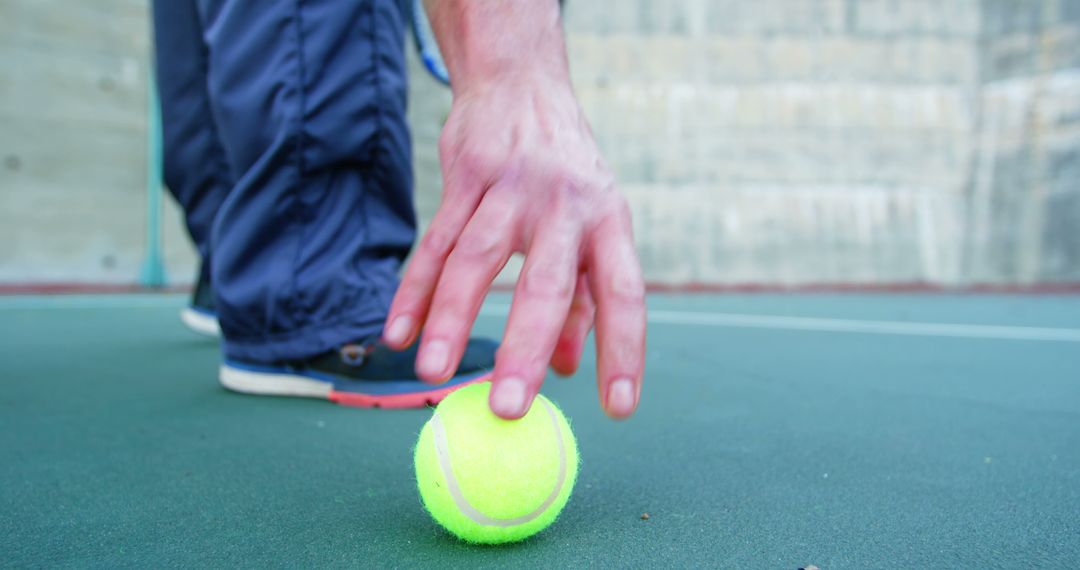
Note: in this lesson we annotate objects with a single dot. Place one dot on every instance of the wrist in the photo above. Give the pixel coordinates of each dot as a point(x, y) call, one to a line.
point(498, 41)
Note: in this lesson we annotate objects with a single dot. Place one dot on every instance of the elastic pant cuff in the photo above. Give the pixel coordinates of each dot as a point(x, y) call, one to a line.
point(304, 343)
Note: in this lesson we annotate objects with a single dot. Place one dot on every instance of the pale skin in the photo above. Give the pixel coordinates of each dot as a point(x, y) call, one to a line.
point(522, 174)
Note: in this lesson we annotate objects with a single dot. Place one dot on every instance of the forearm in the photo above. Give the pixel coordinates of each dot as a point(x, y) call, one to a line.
point(482, 40)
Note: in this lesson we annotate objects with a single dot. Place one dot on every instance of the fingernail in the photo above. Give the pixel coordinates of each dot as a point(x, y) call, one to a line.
point(508, 398)
point(433, 357)
point(621, 398)
point(399, 329)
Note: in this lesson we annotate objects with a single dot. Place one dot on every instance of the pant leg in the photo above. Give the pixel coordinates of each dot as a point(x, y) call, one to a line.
point(309, 98)
point(194, 160)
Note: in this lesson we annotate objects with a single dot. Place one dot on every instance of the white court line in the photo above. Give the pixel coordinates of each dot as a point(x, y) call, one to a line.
point(691, 318)
point(738, 320)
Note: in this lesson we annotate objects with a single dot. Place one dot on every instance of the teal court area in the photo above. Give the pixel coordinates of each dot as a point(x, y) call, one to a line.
point(775, 431)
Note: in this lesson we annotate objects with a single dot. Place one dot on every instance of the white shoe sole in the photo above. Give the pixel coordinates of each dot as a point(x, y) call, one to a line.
point(249, 382)
point(200, 322)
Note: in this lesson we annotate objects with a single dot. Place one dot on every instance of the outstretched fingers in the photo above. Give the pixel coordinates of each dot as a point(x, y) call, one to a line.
point(542, 299)
point(481, 252)
point(575, 331)
point(410, 307)
point(619, 291)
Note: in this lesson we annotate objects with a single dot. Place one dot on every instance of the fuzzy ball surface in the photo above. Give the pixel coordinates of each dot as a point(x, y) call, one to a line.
point(488, 480)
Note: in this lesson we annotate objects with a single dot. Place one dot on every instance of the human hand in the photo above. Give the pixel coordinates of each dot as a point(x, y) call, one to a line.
point(522, 173)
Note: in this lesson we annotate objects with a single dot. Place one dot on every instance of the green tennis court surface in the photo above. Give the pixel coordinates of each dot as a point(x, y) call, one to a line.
point(775, 432)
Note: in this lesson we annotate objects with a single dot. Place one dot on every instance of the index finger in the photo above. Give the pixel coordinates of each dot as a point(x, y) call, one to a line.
point(409, 309)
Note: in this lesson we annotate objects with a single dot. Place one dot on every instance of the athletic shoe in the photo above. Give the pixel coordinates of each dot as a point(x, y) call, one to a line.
point(201, 316)
point(365, 375)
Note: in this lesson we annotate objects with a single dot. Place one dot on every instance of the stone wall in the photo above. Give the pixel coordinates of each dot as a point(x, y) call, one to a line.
point(776, 142)
point(73, 98)
point(1024, 223)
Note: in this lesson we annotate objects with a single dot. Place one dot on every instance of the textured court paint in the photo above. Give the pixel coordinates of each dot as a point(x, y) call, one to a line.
point(82, 302)
point(781, 322)
point(751, 449)
point(442, 449)
point(693, 318)
point(866, 327)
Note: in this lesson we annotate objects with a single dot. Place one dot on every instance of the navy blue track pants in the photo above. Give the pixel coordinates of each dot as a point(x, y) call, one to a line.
point(285, 143)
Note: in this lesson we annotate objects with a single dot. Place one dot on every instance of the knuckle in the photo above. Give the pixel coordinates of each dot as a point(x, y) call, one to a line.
point(436, 243)
point(524, 358)
point(569, 180)
point(578, 185)
point(627, 287)
point(479, 246)
point(476, 160)
point(445, 322)
point(584, 310)
point(548, 281)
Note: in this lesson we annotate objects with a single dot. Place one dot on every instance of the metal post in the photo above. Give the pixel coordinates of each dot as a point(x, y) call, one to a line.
point(153, 267)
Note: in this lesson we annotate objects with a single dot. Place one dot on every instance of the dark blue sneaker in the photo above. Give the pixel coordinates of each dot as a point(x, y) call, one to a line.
point(201, 315)
point(366, 375)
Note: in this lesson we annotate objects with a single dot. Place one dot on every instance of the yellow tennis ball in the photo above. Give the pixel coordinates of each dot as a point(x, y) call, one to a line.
point(489, 480)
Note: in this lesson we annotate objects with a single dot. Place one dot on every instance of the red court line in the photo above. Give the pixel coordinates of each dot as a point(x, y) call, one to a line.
point(1065, 288)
